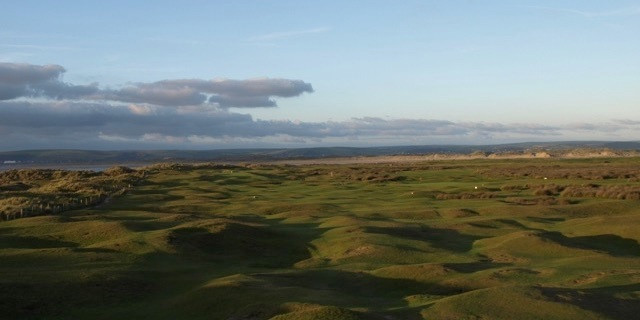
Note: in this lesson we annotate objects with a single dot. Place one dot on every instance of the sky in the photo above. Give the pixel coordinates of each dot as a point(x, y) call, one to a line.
point(237, 74)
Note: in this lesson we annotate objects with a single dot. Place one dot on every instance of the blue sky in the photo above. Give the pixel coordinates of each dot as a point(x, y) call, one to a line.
point(382, 72)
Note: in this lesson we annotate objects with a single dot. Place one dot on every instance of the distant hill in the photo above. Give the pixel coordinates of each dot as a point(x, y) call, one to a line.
point(151, 156)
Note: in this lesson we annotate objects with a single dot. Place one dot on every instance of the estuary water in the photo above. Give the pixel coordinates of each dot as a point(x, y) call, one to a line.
point(72, 167)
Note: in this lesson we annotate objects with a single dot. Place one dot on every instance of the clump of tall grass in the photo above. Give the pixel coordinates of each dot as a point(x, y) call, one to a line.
point(548, 190)
point(511, 187)
point(28, 192)
point(189, 166)
point(623, 192)
point(546, 201)
point(466, 195)
point(629, 173)
point(374, 173)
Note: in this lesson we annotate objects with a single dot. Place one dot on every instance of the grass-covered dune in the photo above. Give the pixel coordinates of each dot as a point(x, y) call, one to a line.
point(32, 192)
point(479, 239)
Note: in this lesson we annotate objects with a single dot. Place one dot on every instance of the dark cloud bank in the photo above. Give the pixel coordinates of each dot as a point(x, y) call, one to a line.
point(26, 80)
point(39, 110)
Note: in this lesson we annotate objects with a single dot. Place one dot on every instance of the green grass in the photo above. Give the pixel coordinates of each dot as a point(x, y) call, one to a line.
point(490, 239)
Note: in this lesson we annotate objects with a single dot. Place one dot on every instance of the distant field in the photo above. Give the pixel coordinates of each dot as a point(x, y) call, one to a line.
point(464, 239)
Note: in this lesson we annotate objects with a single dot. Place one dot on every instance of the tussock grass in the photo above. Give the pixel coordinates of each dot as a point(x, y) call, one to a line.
point(29, 192)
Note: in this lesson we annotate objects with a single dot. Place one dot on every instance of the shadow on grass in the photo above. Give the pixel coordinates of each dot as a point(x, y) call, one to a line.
point(447, 239)
point(356, 284)
point(359, 285)
point(247, 240)
point(609, 243)
point(141, 226)
point(95, 250)
point(56, 299)
point(471, 267)
point(223, 179)
point(515, 223)
point(603, 300)
point(270, 176)
point(29, 242)
point(261, 295)
point(546, 220)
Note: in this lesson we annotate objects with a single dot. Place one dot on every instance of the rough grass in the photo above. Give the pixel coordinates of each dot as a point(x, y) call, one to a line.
point(31, 192)
point(489, 239)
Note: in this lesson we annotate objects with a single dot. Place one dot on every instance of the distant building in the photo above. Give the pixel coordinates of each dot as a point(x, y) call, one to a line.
point(9, 162)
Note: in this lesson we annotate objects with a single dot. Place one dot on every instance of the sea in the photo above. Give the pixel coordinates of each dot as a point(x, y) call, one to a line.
point(72, 167)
